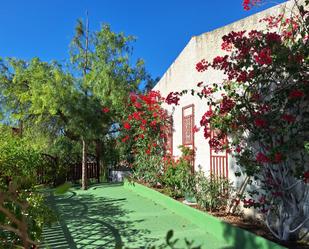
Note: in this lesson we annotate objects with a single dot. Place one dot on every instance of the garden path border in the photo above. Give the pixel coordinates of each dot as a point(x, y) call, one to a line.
point(234, 236)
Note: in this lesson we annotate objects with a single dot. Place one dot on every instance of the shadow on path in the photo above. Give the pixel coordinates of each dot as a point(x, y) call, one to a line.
point(241, 239)
point(89, 221)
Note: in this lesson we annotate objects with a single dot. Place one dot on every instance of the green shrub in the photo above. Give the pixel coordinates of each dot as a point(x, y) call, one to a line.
point(22, 209)
point(212, 193)
point(178, 175)
point(148, 168)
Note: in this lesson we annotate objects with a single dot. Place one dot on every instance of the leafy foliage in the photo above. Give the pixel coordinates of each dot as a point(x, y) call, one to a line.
point(264, 109)
point(178, 175)
point(144, 129)
point(22, 209)
point(213, 193)
point(56, 108)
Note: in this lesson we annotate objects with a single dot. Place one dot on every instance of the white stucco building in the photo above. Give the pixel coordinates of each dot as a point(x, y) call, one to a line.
point(183, 75)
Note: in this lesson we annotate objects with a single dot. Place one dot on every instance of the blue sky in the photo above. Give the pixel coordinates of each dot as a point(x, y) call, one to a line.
point(44, 28)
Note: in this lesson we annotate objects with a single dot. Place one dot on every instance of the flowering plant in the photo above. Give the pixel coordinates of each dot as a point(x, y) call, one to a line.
point(178, 175)
point(263, 108)
point(144, 128)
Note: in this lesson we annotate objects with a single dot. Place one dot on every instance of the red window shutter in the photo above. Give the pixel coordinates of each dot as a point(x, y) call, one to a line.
point(187, 128)
point(169, 139)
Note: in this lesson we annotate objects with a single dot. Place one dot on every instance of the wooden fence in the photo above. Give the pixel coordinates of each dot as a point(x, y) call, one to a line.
point(69, 169)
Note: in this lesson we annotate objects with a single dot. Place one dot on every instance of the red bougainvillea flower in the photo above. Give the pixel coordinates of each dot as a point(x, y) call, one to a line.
point(221, 62)
point(125, 139)
point(248, 4)
point(272, 21)
point(136, 115)
point(195, 129)
point(172, 98)
point(204, 121)
point(148, 151)
point(273, 37)
point(294, 94)
point(260, 122)
point(226, 46)
point(249, 202)
point(138, 105)
point(264, 57)
point(277, 157)
point(207, 90)
point(242, 77)
point(200, 84)
point(105, 110)
point(206, 133)
point(162, 135)
point(153, 123)
point(261, 158)
point(133, 98)
point(288, 118)
point(226, 105)
point(127, 126)
point(264, 108)
point(215, 143)
point(209, 113)
point(202, 66)
point(238, 149)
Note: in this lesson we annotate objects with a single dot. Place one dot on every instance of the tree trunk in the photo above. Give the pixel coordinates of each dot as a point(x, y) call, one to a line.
point(84, 166)
point(21, 128)
point(233, 205)
point(98, 158)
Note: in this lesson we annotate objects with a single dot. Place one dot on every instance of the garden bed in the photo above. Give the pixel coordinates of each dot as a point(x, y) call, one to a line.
point(239, 221)
point(233, 236)
point(257, 228)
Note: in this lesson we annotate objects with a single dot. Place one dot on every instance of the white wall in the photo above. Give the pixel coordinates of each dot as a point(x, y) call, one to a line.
point(183, 75)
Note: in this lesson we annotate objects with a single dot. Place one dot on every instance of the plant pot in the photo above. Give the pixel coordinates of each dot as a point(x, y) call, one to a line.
point(190, 198)
point(118, 175)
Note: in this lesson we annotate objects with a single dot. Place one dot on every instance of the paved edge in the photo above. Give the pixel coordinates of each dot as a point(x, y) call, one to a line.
point(212, 225)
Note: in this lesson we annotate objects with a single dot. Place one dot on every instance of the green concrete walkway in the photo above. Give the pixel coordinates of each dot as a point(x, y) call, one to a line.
point(112, 216)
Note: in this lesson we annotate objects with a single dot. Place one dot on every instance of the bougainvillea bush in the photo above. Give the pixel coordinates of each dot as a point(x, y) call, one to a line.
point(263, 107)
point(177, 177)
point(144, 130)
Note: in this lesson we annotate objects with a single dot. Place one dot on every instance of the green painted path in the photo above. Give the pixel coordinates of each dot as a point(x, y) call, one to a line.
point(115, 216)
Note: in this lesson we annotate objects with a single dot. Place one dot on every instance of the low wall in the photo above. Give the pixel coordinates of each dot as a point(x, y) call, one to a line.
point(234, 236)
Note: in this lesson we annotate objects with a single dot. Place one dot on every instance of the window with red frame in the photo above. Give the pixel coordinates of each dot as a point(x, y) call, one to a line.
point(169, 139)
point(187, 127)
